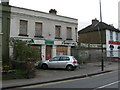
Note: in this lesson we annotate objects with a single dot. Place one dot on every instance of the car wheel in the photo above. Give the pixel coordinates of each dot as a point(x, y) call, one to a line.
point(44, 66)
point(69, 68)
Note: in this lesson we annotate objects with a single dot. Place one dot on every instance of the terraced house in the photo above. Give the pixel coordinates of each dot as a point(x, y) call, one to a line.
point(52, 34)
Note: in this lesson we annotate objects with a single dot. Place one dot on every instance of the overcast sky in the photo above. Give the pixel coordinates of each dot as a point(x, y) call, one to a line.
point(83, 10)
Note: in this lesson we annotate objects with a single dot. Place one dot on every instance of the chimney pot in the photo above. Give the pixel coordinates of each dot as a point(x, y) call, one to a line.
point(94, 22)
point(52, 11)
point(5, 2)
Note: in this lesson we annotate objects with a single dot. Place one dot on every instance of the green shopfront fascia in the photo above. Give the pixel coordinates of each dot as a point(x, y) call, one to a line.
point(49, 42)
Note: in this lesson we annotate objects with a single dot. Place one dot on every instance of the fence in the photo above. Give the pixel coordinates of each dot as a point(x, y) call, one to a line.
point(94, 55)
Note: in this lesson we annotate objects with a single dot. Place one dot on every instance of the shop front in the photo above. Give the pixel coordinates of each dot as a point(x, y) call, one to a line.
point(64, 47)
point(49, 48)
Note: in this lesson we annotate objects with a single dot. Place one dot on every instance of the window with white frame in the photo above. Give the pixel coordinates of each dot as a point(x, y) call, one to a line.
point(69, 33)
point(116, 36)
point(23, 28)
point(57, 32)
point(38, 29)
point(111, 35)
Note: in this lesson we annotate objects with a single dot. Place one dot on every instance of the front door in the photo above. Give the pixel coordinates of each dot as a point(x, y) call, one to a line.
point(48, 52)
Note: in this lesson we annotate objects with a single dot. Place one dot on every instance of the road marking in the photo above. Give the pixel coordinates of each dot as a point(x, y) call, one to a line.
point(52, 83)
point(108, 85)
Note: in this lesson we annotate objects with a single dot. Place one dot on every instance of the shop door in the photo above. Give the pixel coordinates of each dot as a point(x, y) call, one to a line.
point(48, 52)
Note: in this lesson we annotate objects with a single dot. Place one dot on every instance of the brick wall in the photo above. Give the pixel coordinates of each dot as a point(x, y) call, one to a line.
point(91, 37)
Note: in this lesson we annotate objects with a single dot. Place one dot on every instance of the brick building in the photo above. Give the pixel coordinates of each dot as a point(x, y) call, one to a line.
point(101, 33)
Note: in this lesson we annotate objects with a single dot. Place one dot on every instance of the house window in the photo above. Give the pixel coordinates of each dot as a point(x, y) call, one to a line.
point(57, 32)
point(116, 36)
point(38, 29)
point(76, 33)
point(69, 33)
point(111, 35)
point(23, 28)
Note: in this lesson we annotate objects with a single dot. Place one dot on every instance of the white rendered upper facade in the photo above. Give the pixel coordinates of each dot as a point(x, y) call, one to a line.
point(51, 33)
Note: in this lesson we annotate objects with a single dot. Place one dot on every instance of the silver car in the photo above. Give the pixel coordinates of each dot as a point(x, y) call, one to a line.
point(68, 62)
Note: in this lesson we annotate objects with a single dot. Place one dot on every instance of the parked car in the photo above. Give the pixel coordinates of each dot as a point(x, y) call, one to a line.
point(67, 62)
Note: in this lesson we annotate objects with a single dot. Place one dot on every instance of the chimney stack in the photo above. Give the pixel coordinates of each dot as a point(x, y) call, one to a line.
point(94, 22)
point(53, 11)
point(5, 2)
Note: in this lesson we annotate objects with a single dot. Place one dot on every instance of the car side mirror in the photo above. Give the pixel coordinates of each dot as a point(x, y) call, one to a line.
point(50, 60)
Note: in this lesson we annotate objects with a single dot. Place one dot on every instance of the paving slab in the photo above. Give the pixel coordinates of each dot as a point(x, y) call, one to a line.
point(44, 76)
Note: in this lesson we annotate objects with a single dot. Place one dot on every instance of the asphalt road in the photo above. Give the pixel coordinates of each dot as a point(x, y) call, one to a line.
point(97, 82)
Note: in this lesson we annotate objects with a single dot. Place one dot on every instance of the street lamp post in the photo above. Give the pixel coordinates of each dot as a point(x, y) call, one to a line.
point(101, 42)
point(102, 61)
point(101, 33)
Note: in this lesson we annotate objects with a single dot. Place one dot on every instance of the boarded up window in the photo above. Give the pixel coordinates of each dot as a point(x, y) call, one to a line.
point(69, 33)
point(23, 27)
point(57, 31)
point(38, 29)
point(61, 50)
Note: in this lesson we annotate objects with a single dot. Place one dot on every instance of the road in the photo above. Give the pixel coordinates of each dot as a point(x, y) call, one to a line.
point(96, 82)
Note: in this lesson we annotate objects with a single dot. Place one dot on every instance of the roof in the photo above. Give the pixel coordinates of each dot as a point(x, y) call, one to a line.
point(100, 26)
point(35, 13)
point(38, 11)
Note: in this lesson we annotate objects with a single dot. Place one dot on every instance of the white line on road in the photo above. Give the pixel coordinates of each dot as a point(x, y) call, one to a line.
point(108, 85)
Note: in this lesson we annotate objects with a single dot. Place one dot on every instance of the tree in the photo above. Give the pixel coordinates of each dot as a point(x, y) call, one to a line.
point(24, 52)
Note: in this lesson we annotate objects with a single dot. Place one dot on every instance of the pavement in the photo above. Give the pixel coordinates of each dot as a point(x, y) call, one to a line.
point(53, 75)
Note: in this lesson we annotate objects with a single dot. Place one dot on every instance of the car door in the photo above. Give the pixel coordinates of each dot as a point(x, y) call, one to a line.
point(63, 62)
point(53, 63)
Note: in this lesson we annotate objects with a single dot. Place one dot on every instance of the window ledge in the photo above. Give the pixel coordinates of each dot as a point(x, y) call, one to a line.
point(23, 35)
point(69, 39)
point(58, 38)
point(39, 36)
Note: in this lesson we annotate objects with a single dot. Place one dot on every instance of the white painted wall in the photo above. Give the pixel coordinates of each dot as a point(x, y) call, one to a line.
point(49, 21)
point(48, 31)
point(42, 14)
point(115, 50)
point(119, 15)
